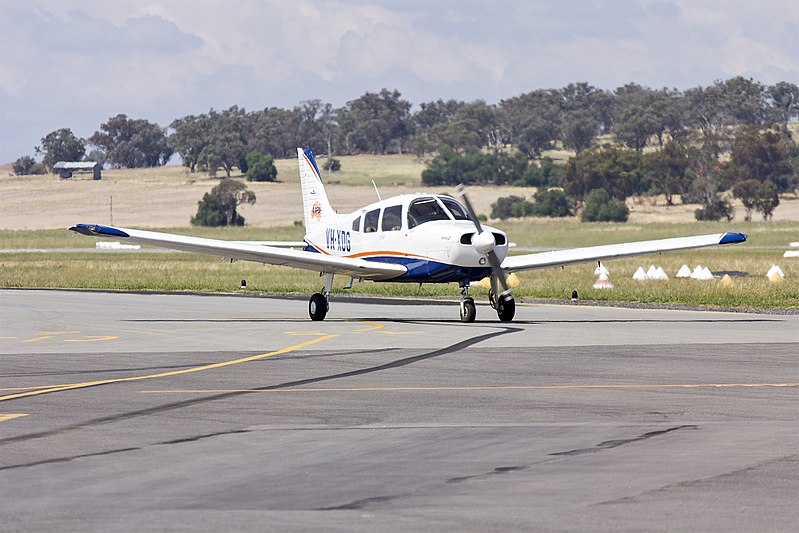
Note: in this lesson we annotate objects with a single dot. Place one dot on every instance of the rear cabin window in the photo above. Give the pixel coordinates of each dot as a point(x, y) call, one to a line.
point(370, 221)
point(356, 224)
point(457, 210)
point(392, 218)
point(424, 210)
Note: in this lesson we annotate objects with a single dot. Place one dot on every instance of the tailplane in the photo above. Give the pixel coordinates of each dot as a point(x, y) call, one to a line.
point(316, 206)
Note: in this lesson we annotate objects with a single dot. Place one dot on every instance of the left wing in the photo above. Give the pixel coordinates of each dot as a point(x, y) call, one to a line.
point(571, 256)
point(245, 251)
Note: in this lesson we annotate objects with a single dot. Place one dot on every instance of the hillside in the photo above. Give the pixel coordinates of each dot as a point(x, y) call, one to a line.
point(168, 196)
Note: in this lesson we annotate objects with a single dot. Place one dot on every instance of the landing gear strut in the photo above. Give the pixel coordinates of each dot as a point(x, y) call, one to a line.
point(320, 301)
point(468, 310)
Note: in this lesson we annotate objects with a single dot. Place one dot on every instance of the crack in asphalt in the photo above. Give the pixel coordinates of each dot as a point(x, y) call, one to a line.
point(68, 459)
point(609, 444)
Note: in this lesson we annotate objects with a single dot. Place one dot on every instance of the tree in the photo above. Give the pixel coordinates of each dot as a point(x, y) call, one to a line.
point(228, 139)
point(218, 207)
point(473, 126)
point(612, 168)
point(784, 99)
point(189, 137)
point(580, 128)
point(61, 145)
point(430, 115)
point(132, 143)
point(260, 167)
point(668, 170)
point(24, 165)
point(511, 207)
point(600, 207)
point(534, 120)
point(767, 199)
point(747, 191)
point(707, 114)
point(642, 113)
point(551, 203)
point(744, 101)
point(597, 102)
point(716, 209)
point(761, 156)
point(705, 186)
point(474, 168)
point(380, 121)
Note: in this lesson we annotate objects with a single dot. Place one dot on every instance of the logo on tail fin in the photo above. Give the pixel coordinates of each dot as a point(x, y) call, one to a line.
point(316, 206)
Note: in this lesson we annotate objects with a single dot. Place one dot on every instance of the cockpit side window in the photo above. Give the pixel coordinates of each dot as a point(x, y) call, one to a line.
point(392, 218)
point(356, 224)
point(370, 221)
point(455, 207)
point(424, 210)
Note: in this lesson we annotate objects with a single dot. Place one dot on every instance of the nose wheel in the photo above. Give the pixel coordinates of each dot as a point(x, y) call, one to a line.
point(468, 310)
point(505, 305)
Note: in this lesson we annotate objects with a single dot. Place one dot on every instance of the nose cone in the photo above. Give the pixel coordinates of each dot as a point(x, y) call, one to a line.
point(483, 242)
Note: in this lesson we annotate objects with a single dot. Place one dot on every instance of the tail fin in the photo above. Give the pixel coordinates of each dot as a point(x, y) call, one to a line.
point(315, 204)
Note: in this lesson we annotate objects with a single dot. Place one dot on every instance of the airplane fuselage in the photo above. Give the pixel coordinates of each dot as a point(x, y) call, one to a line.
point(430, 235)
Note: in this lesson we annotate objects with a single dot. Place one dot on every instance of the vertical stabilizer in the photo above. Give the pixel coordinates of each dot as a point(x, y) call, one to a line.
point(316, 206)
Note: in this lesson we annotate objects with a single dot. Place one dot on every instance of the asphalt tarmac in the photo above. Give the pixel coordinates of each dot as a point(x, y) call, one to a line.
point(135, 412)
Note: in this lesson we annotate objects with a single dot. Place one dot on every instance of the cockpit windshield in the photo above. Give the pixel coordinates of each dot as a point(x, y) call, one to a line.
point(424, 210)
point(455, 207)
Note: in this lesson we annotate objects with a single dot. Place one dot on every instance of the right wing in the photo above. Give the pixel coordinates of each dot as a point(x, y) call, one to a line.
point(357, 268)
point(570, 256)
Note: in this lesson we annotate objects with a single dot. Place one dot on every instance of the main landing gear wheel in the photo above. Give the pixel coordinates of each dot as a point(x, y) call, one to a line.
point(506, 308)
point(468, 311)
point(317, 307)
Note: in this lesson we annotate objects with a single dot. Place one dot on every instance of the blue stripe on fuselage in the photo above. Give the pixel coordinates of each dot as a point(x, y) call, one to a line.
point(425, 271)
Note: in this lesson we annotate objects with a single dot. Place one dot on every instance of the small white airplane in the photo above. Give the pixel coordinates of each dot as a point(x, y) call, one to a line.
point(413, 238)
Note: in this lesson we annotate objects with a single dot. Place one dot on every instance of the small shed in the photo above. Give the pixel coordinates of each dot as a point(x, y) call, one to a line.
point(67, 168)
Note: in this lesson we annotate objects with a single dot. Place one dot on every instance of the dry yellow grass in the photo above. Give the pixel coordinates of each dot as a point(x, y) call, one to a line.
point(168, 196)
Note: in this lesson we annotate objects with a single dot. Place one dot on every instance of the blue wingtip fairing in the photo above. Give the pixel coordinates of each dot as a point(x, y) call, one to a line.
point(312, 159)
point(732, 238)
point(96, 230)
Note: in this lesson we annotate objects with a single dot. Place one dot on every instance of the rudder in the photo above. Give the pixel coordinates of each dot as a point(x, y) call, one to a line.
point(316, 206)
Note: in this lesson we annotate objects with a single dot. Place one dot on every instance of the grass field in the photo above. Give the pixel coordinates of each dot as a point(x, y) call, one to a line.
point(158, 271)
point(165, 198)
point(356, 171)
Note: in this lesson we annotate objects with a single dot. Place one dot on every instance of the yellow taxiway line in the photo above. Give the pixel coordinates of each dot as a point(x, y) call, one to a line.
point(480, 388)
point(5, 417)
point(71, 386)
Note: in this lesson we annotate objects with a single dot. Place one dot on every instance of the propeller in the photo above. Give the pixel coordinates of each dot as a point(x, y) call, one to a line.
point(484, 243)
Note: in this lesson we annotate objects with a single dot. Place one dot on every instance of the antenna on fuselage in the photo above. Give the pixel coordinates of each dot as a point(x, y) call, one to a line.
point(378, 192)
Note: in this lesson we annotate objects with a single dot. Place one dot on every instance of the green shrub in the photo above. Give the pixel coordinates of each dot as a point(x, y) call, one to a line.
point(600, 207)
point(551, 203)
point(260, 167)
point(716, 210)
point(511, 207)
point(218, 207)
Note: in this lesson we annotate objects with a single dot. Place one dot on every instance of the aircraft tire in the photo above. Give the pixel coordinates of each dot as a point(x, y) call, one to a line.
point(317, 307)
point(506, 308)
point(468, 311)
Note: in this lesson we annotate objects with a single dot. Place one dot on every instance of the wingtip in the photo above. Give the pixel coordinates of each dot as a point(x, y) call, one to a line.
point(733, 238)
point(96, 230)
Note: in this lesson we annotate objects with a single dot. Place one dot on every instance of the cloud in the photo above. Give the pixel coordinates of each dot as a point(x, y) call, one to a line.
point(74, 63)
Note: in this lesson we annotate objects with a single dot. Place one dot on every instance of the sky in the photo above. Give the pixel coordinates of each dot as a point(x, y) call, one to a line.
point(76, 63)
